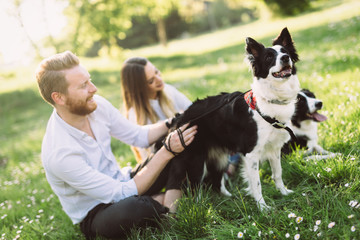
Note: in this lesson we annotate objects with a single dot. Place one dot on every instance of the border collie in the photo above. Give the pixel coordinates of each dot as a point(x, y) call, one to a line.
point(304, 124)
point(252, 123)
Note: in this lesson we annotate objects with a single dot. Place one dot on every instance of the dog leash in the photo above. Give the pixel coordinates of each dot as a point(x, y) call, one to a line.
point(227, 101)
point(251, 101)
point(167, 145)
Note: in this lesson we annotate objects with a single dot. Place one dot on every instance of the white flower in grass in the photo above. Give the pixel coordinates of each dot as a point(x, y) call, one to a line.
point(291, 215)
point(316, 227)
point(353, 203)
point(347, 185)
point(318, 175)
point(240, 235)
point(353, 228)
point(328, 169)
point(331, 225)
point(287, 235)
point(351, 216)
point(318, 222)
point(299, 220)
point(319, 234)
point(254, 224)
point(297, 236)
point(259, 233)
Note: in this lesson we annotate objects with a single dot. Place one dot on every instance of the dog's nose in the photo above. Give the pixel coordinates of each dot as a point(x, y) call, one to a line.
point(318, 105)
point(285, 58)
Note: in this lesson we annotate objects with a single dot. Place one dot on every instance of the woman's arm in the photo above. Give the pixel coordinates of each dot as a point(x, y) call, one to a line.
point(156, 131)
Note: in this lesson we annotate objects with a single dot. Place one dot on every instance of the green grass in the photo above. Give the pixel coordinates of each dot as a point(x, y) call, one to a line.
point(328, 43)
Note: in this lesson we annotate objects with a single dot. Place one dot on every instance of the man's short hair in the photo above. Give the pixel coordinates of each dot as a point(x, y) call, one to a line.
point(50, 74)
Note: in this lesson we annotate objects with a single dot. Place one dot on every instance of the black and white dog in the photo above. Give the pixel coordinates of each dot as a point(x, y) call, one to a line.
point(304, 124)
point(252, 123)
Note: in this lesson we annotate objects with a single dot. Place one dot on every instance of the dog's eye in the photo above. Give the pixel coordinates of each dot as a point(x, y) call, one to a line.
point(283, 50)
point(300, 99)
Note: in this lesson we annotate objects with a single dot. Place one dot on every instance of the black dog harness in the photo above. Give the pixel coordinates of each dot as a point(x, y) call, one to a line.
point(251, 101)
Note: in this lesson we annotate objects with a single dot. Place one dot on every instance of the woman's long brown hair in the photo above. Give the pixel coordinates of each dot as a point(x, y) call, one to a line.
point(136, 94)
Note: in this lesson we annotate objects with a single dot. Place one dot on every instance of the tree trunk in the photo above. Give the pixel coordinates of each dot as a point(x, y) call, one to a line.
point(46, 22)
point(161, 31)
point(19, 18)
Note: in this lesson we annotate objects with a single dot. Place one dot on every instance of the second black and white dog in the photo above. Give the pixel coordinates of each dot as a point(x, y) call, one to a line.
point(254, 123)
point(304, 124)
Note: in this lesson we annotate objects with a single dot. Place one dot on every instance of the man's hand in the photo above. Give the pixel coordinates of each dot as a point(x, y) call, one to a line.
point(180, 138)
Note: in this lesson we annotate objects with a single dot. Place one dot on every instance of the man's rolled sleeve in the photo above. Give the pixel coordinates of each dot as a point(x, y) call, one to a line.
point(125, 191)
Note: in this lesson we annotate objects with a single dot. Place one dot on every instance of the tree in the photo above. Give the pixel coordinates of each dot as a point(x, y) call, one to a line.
point(158, 11)
point(15, 12)
point(102, 21)
point(288, 8)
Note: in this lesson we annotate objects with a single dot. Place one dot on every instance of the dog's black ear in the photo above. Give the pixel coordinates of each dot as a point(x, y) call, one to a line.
point(285, 40)
point(253, 48)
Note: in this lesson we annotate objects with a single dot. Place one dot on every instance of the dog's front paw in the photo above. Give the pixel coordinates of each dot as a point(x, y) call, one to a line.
point(333, 155)
point(225, 192)
point(285, 191)
point(264, 207)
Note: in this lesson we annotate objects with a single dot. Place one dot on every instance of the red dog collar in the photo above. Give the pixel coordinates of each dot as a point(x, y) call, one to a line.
point(250, 99)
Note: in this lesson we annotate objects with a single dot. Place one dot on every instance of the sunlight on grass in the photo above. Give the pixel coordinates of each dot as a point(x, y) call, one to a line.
point(17, 78)
point(259, 29)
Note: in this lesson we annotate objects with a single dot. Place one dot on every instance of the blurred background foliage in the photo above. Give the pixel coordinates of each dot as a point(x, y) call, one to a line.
point(104, 27)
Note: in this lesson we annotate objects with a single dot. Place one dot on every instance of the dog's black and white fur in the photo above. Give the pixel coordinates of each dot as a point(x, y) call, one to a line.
point(304, 124)
point(226, 123)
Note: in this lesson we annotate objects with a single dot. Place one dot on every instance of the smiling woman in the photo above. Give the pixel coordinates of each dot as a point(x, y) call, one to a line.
point(26, 24)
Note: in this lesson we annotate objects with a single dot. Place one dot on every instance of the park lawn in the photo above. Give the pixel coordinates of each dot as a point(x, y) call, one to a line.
point(325, 195)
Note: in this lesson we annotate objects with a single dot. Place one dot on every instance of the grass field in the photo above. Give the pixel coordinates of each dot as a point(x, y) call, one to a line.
point(324, 204)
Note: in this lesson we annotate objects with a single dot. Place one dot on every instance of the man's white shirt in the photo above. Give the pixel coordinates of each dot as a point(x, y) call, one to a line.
point(82, 171)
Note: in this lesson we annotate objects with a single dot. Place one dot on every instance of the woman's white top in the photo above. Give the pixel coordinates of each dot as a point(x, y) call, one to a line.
point(180, 101)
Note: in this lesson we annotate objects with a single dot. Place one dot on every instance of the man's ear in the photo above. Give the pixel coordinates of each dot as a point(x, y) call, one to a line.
point(58, 98)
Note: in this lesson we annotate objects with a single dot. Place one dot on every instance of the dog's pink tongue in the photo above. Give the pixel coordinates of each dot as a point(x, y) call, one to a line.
point(319, 117)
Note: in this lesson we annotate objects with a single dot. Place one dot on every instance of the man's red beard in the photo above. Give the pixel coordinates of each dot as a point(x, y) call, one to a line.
point(80, 107)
